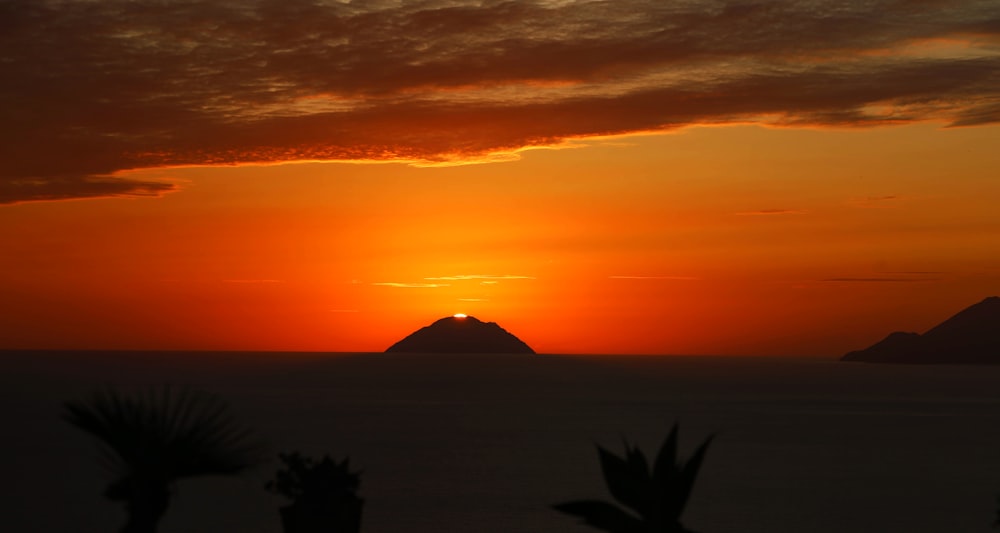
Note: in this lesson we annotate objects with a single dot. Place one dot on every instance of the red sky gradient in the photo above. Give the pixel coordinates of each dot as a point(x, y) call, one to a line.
point(597, 177)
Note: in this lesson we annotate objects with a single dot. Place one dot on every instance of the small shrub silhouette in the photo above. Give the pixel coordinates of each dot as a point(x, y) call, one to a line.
point(323, 493)
point(153, 440)
point(656, 496)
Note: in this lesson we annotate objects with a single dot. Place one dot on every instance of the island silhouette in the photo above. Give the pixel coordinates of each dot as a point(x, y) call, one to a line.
point(461, 334)
point(970, 337)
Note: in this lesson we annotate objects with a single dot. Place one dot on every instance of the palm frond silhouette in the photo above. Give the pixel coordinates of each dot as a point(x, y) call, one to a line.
point(153, 440)
point(656, 496)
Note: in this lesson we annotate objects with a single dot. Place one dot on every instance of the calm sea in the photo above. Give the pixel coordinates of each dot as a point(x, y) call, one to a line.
point(485, 444)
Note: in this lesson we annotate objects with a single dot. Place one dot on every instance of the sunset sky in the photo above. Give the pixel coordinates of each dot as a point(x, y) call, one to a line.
point(624, 176)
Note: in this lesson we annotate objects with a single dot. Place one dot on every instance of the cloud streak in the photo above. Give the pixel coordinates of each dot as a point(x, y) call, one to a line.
point(410, 285)
point(880, 280)
point(876, 202)
point(673, 278)
point(95, 88)
point(771, 212)
point(487, 277)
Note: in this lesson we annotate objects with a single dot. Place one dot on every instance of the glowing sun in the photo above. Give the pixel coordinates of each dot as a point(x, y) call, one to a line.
point(460, 315)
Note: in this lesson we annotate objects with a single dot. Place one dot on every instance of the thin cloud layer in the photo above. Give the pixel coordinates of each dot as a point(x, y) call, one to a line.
point(401, 285)
point(94, 88)
point(880, 280)
point(771, 212)
point(671, 278)
point(876, 202)
point(488, 277)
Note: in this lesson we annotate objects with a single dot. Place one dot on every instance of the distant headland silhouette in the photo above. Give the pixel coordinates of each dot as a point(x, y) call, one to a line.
point(970, 337)
point(461, 334)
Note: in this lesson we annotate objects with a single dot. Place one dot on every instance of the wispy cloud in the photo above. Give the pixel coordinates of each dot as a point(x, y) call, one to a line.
point(94, 88)
point(411, 285)
point(676, 278)
point(487, 277)
point(876, 202)
point(882, 280)
point(771, 212)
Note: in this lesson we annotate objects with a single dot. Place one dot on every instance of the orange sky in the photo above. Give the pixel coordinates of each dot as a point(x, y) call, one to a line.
point(706, 190)
point(793, 242)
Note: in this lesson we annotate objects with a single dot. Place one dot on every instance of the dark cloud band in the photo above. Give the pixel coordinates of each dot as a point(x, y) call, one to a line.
point(92, 88)
point(73, 187)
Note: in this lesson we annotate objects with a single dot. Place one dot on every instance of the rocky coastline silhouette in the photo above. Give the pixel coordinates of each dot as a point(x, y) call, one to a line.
point(972, 336)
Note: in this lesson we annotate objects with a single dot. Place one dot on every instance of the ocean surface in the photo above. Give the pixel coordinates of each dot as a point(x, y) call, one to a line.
point(487, 443)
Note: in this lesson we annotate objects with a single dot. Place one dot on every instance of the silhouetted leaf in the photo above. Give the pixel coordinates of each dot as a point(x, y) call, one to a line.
point(688, 475)
point(636, 461)
point(665, 465)
point(626, 485)
point(602, 515)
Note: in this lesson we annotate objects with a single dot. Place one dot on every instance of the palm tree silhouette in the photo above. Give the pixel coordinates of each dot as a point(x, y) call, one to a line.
point(154, 439)
point(658, 497)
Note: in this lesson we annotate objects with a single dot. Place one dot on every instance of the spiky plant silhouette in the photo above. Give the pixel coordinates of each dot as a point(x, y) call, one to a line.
point(657, 497)
point(324, 494)
point(154, 439)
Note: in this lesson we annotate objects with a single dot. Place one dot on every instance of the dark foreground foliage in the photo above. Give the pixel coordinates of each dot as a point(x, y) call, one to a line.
point(996, 523)
point(323, 493)
point(656, 497)
point(152, 440)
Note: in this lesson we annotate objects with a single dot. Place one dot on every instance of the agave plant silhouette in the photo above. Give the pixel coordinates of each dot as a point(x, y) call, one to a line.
point(156, 438)
point(657, 497)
